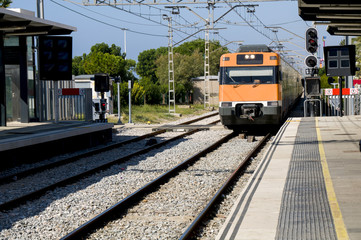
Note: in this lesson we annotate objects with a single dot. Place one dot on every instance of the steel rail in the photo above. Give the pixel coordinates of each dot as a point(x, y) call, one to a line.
point(37, 193)
point(25, 173)
point(188, 234)
point(122, 206)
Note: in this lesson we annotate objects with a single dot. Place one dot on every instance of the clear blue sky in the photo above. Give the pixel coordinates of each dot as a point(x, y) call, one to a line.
point(90, 32)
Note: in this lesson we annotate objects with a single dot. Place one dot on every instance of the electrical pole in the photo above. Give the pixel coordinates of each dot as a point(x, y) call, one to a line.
point(171, 88)
point(206, 55)
point(125, 44)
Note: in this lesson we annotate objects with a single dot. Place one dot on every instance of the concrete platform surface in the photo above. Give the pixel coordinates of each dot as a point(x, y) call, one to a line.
point(28, 142)
point(308, 185)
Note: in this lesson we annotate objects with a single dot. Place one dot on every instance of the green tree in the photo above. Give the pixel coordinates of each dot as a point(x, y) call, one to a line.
point(138, 93)
point(5, 3)
point(188, 48)
point(324, 78)
point(185, 68)
point(78, 65)
point(104, 59)
point(146, 66)
point(188, 62)
point(104, 48)
point(152, 91)
point(99, 62)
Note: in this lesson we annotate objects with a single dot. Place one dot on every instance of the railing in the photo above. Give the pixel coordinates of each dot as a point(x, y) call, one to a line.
point(75, 104)
point(351, 101)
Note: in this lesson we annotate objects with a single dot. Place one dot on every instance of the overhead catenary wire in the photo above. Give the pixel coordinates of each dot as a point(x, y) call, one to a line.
point(107, 16)
point(141, 16)
point(176, 27)
point(111, 25)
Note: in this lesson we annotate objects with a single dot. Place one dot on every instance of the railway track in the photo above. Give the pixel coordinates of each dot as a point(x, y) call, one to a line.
point(191, 167)
point(15, 202)
point(35, 170)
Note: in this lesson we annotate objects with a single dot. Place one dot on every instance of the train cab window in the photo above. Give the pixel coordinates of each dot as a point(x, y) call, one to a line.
point(248, 75)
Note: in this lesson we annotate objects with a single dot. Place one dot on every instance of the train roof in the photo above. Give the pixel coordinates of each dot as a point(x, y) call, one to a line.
point(254, 48)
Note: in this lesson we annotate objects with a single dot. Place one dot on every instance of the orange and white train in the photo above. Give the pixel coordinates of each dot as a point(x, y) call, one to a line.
point(256, 87)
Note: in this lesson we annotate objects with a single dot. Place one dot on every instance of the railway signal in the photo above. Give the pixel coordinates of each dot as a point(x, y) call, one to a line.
point(312, 86)
point(311, 61)
point(96, 107)
point(101, 82)
point(311, 40)
point(103, 105)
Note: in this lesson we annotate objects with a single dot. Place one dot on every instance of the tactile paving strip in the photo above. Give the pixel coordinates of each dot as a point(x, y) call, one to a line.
point(305, 212)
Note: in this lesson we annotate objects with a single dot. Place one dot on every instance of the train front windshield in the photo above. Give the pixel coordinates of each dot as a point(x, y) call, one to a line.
point(248, 75)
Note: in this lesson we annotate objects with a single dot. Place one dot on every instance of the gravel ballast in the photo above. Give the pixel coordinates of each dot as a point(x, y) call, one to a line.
point(62, 210)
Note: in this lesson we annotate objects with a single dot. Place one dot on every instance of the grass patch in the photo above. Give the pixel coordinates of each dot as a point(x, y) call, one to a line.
point(156, 114)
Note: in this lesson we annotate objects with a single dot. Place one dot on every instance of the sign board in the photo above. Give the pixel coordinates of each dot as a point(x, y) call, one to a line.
point(71, 91)
point(55, 58)
point(345, 91)
point(356, 81)
point(328, 91)
point(340, 60)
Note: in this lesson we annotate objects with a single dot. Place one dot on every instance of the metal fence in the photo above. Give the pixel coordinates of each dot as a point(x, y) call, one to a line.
point(75, 104)
point(351, 103)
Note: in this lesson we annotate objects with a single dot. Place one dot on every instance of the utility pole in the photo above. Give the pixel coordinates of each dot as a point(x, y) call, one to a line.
point(206, 55)
point(349, 108)
point(125, 44)
point(40, 85)
point(209, 23)
point(171, 88)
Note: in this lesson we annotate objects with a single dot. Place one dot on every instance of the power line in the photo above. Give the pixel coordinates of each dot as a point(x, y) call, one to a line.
point(104, 15)
point(284, 23)
point(122, 28)
point(111, 25)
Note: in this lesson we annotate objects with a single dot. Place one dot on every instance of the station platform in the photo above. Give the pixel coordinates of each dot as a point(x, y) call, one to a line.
point(29, 142)
point(307, 186)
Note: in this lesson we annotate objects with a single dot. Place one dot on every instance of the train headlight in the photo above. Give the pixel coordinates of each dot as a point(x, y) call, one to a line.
point(226, 104)
point(272, 104)
point(252, 56)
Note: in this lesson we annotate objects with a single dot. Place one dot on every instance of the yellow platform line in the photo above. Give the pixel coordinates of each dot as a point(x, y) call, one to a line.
point(335, 208)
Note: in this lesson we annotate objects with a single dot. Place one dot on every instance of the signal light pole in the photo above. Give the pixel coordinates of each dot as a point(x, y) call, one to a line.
point(102, 86)
point(311, 40)
point(312, 84)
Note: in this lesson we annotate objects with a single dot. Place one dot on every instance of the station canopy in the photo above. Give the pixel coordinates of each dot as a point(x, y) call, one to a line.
point(20, 22)
point(343, 17)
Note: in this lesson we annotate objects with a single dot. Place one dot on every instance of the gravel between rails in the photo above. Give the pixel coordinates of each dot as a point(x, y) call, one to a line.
point(120, 133)
point(213, 225)
point(34, 182)
point(166, 213)
point(60, 211)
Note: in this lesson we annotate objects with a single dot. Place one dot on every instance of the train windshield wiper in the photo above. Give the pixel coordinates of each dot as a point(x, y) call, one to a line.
point(232, 78)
